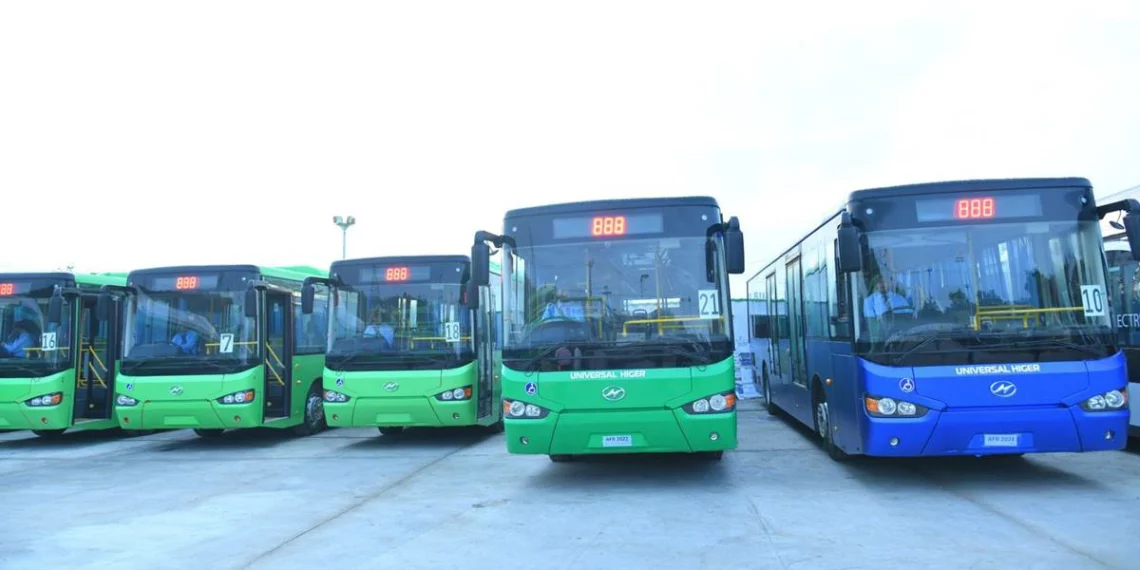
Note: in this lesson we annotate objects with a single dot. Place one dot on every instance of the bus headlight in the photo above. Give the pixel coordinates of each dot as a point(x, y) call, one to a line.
point(517, 410)
point(122, 400)
point(46, 400)
point(242, 397)
point(456, 395)
point(882, 407)
point(715, 404)
point(335, 397)
point(1110, 401)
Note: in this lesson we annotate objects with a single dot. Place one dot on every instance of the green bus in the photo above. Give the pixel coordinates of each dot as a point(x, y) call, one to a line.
point(407, 347)
point(617, 326)
point(57, 362)
point(219, 347)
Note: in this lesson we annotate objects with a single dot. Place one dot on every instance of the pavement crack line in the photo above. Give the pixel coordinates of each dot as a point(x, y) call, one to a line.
point(1024, 525)
point(360, 503)
point(767, 531)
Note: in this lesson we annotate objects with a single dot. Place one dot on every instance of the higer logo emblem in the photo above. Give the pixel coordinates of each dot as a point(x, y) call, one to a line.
point(1003, 389)
point(613, 393)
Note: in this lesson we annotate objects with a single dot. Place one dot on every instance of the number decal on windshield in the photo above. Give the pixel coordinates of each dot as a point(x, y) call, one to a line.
point(47, 342)
point(1092, 297)
point(708, 303)
point(451, 331)
point(226, 343)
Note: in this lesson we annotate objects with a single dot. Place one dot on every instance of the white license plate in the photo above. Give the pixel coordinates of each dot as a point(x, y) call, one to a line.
point(1000, 440)
point(617, 440)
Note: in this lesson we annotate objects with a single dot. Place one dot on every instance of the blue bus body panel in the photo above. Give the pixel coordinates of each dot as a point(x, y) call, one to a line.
point(1041, 415)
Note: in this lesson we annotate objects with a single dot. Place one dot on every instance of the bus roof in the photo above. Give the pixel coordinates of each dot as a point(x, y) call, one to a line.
point(979, 185)
point(595, 205)
point(79, 278)
point(400, 259)
point(292, 272)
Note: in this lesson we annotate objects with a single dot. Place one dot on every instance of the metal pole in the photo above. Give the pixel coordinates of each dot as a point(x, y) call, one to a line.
point(344, 243)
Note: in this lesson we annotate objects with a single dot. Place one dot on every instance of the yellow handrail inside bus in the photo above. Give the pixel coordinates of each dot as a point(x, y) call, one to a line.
point(1015, 312)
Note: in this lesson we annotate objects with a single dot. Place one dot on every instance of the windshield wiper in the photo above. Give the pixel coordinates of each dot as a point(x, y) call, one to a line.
point(533, 361)
point(1089, 349)
point(694, 354)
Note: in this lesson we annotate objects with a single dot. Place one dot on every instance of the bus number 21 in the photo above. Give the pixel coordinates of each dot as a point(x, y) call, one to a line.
point(708, 303)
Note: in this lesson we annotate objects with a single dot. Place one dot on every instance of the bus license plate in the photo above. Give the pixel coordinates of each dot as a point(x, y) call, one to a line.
point(1000, 440)
point(617, 440)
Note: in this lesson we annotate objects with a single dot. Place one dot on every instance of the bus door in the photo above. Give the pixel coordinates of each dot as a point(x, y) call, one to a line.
point(776, 320)
point(797, 352)
point(96, 351)
point(278, 353)
point(484, 353)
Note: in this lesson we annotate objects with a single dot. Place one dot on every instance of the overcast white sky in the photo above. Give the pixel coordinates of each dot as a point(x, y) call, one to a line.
point(136, 134)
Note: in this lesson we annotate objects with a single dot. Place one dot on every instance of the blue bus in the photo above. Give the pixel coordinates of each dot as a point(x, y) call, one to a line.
point(949, 318)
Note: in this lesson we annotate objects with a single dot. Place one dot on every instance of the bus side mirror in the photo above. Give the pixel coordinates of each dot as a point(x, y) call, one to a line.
point(307, 294)
point(1132, 230)
point(55, 308)
point(734, 247)
point(251, 302)
point(472, 295)
point(103, 306)
point(848, 250)
point(480, 264)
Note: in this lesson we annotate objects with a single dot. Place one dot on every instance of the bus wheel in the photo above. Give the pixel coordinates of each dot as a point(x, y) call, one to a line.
point(560, 458)
point(391, 430)
point(768, 394)
point(496, 427)
point(823, 427)
point(712, 455)
point(49, 433)
point(314, 420)
point(209, 433)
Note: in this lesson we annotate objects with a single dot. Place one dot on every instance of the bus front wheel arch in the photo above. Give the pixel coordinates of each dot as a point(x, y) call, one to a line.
point(313, 414)
point(821, 411)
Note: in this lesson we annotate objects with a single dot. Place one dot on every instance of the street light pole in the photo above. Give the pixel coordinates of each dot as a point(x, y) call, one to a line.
point(344, 224)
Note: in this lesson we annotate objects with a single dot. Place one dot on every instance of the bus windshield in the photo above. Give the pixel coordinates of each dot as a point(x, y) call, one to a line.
point(399, 326)
point(626, 303)
point(167, 331)
point(984, 293)
point(29, 345)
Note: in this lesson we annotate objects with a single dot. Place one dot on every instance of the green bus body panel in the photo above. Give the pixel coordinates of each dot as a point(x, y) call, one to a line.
point(650, 414)
point(412, 404)
point(197, 405)
point(15, 415)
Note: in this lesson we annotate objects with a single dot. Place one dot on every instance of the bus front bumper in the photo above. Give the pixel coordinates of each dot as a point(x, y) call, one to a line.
point(996, 432)
point(20, 416)
point(199, 414)
point(416, 411)
point(592, 432)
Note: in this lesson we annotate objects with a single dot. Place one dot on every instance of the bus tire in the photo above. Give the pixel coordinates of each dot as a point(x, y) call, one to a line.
point(767, 387)
point(823, 425)
point(209, 433)
point(561, 458)
point(712, 455)
point(49, 433)
point(496, 427)
point(314, 413)
point(391, 431)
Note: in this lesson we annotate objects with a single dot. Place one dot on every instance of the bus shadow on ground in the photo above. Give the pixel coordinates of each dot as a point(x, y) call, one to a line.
point(634, 470)
point(249, 438)
point(68, 440)
point(993, 471)
point(423, 438)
